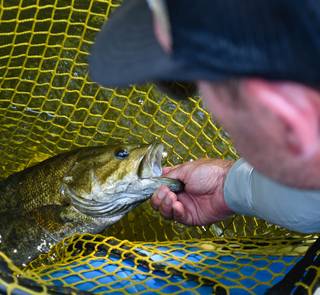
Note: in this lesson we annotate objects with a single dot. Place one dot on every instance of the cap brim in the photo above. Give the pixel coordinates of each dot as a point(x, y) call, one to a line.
point(127, 52)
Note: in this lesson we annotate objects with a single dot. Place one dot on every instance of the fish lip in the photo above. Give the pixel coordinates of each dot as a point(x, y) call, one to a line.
point(151, 163)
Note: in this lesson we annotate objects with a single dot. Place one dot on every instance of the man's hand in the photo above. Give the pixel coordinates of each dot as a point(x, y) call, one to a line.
point(202, 201)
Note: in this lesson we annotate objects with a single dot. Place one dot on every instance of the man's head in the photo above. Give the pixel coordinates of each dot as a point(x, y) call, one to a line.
point(274, 125)
point(235, 50)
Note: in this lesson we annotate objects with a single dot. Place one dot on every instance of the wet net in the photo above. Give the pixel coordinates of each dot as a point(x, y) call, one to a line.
point(49, 105)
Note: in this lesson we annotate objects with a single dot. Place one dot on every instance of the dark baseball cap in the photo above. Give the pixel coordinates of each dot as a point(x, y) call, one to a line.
point(211, 40)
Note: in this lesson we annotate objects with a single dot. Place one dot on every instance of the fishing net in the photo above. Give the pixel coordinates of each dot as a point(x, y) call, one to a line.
point(49, 105)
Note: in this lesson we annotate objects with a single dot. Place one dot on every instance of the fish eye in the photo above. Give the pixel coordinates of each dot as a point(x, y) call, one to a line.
point(121, 154)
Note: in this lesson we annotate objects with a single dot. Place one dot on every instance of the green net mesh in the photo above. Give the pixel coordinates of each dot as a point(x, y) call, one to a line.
point(48, 105)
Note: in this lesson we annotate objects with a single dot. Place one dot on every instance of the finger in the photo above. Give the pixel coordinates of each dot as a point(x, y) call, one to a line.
point(178, 171)
point(165, 207)
point(158, 196)
point(166, 170)
point(179, 213)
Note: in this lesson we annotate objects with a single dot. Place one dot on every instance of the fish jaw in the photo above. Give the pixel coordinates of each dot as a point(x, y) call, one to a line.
point(151, 163)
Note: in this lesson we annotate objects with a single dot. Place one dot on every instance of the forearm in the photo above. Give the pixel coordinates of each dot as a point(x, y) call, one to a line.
point(248, 192)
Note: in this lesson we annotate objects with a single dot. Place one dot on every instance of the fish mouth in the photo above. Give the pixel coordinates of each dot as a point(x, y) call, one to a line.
point(151, 163)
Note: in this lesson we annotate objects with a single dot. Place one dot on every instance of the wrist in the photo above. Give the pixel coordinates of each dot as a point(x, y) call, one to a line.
point(219, 205)
point(225, 209)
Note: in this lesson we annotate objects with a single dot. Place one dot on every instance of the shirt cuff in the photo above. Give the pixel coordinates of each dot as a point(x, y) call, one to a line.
point(237, 188)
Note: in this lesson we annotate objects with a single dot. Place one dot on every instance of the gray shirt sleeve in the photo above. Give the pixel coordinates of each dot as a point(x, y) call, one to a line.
point(248, 192)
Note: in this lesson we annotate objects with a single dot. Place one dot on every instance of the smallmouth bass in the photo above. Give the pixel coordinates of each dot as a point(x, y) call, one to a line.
point(82, 191)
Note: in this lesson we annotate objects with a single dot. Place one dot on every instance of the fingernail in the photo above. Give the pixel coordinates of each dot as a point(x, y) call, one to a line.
point(161, 194)
point(167, 201)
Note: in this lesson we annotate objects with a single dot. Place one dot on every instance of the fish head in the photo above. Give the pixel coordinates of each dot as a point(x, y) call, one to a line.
point(110, 181)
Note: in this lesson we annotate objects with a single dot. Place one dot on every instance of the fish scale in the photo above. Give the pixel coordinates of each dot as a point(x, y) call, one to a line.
point(82, 191)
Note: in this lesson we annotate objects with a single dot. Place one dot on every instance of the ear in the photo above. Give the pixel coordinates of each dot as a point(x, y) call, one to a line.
point(293, 105)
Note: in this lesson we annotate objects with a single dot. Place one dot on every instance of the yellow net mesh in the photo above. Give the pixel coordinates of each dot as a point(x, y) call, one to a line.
point(48, 105)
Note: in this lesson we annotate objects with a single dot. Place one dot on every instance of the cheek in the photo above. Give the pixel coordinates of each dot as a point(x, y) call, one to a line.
point(257, 141)
point(218, 110)
point(221, 112)
point(248, 125)
point(219, 100)
point(238, 125)
point(254, 131)
point(249, 131)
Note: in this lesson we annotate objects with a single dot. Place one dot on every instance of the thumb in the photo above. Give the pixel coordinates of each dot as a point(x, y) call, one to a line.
point(176, 172)
point(169, 171)
point(166, 170)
